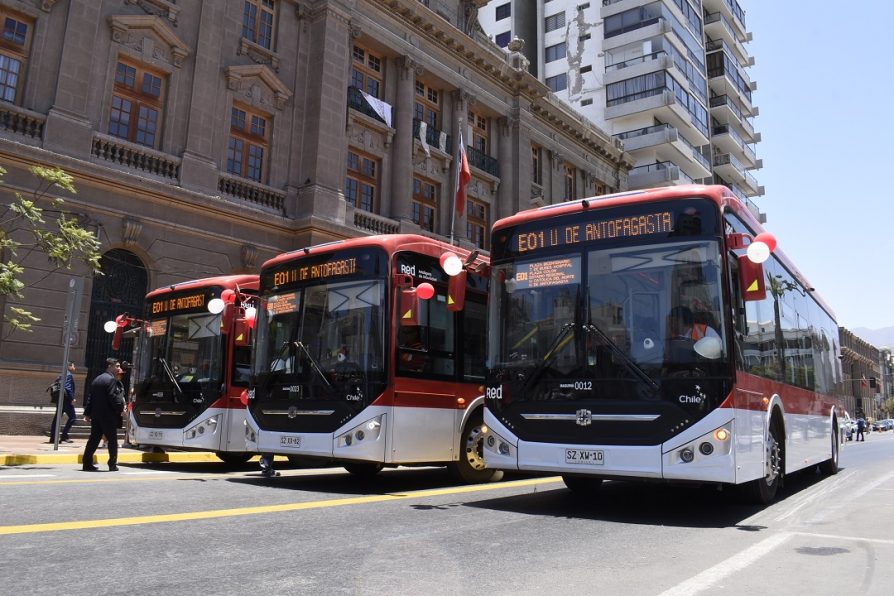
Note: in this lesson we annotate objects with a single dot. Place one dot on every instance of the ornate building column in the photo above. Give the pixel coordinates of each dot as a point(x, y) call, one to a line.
point(402, 162)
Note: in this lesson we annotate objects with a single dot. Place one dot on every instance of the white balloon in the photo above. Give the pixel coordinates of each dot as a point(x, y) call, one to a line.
point(453, 265)
point(110, 326)
point(216, 306)
point(709, 347)
point(758, 252)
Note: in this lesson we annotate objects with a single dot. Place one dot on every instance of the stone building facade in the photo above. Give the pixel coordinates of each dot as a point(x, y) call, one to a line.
point(862, 376)
point(205, 137)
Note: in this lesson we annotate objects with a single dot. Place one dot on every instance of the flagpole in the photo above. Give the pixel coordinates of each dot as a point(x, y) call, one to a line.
point(456, 167)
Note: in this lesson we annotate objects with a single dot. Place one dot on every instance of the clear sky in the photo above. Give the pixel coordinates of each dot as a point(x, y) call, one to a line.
point(825, 91)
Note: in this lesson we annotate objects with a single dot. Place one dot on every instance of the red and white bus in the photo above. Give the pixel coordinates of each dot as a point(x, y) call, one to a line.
point(632, 337)
point(192, 363)
point(368, 354)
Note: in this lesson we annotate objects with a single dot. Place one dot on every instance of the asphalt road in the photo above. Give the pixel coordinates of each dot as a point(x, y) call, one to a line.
point(193, 528)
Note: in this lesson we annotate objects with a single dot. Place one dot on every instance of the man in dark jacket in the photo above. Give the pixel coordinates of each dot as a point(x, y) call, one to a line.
point(67, 406)
point(103, 410)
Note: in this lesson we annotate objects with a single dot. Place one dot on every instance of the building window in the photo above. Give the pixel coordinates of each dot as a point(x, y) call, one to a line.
point(503, 38)
point(425, 204)
point(570, 183)
point(553, 22)
point(257, 22)
point(558, 82)
point(361, 181)
point(366, 71)
point(14, 48)
point(586, 69)
point(137, 101)
point(478, 123)
point(555, 52)
point(249, 140)
point(585, 37)
point(536, 164)
point(586, 102)
point(476, 223)
point(504, 11)
point(428, 105)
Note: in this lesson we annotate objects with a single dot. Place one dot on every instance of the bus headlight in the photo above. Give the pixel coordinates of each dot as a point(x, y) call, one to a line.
point(362, 433)
point(495, 444)
point(208, 425)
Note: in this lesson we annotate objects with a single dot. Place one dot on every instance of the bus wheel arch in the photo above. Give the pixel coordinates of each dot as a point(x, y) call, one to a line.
point(469, 466)
point(830, 466)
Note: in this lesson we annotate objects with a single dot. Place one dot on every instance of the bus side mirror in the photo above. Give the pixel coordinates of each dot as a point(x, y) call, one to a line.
point(242, 333)
point(409, 307)
point(751, 280)
point(456, 292)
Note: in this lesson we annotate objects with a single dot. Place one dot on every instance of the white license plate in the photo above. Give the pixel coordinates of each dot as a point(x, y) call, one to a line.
point(290, 441)
point(591, 457)
point(156, 434)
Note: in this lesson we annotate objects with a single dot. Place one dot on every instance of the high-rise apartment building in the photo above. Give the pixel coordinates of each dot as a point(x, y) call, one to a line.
point(667, 77)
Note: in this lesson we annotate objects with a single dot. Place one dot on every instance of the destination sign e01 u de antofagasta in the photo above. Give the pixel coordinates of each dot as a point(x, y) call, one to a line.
point(170, 304)
point(315, 271)
point(659, 222)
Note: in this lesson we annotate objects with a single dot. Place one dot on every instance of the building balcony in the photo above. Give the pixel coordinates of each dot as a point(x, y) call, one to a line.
point(723, 81)
point(730, 168)
point(664, 143)
point(726, 140)
point(372, 222)
point(725, 109)
point(254, 193)
point(434, 138)
point(639, 31)
point(356, 101)
point(737, 51)
point(717, 26)
point(138, 159)
point(638, 66)
point(24, 124)
point(483, 162)
point(656, 174)
point(662, 105)
point(732, 12)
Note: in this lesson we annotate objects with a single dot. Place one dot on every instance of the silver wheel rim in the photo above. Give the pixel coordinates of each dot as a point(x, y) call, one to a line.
point(474, 446)
point(773, 460)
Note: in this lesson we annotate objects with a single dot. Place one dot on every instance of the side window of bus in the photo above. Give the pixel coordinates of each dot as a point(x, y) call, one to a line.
point(474, 340)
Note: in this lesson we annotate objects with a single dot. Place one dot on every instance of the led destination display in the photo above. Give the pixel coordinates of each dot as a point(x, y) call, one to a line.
point(660, 222)
point(177, 304)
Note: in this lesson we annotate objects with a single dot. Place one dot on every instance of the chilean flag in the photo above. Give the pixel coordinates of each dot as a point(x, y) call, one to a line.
point(463, 175)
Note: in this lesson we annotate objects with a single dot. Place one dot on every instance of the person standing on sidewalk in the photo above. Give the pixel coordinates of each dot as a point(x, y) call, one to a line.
point(67, 406)
point(103, 410)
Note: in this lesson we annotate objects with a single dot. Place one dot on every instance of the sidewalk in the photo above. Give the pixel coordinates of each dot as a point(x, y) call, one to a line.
point(17, 450)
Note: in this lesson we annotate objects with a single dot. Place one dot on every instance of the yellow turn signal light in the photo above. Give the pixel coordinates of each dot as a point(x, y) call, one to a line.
point(721, 434)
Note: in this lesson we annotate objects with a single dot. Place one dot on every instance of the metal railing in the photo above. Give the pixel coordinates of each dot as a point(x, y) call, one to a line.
point(357, 102)
point(483, 162)
point(433, 137)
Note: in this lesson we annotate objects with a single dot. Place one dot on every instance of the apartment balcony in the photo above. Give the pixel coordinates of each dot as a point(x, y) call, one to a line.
point(718, 25)
point(662, 104)
point(725, 109)
point(656, 174)
point(483, 162)
point(726, 81)
point(737, 51)
point(664, 143)
point(730, 168)
point(725, 139)
point(639, 31)
point(638, 66)
point(733, 13)
point(26, 125)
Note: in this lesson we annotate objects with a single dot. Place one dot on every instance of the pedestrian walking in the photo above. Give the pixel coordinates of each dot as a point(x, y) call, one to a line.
point(103, 410)
point(68, 400)
point(861, 426)
point(267, 468)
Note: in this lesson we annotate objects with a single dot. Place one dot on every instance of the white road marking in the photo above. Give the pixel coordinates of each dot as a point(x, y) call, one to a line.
point(712, 575)
point(20, 476)
point(848, 538)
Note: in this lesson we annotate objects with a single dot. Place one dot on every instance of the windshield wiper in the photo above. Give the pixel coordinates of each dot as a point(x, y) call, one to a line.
point(270, 371)
point(170, 373)
point(313, 364)
point(552, 351)
point(629, 363)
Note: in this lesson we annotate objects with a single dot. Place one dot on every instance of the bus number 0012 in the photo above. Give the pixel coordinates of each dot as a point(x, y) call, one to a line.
point(583, 385)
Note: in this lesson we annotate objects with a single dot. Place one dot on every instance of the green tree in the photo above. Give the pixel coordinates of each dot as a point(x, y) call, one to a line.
point(24, 229)
point(888, 408)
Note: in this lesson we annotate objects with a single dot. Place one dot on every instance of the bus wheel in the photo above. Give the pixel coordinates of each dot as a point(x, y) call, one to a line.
point(470, 466)
point(763, 490)
point(233, 459)
point(583, 485)
point(363, 470)
point(830, 466)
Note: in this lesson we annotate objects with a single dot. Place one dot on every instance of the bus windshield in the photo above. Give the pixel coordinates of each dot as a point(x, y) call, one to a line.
point(598, 318)
point(181, 358)
point(328, 338)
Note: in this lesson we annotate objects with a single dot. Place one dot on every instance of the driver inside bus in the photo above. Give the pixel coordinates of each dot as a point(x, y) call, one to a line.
point(683, 324)
point(412, 350)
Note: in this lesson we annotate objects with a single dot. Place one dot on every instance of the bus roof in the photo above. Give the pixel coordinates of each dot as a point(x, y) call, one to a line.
point(391, 243)
point(244, 281)
point(721, 195)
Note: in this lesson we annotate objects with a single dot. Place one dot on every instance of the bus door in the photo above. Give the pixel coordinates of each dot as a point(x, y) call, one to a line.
point(424, 413)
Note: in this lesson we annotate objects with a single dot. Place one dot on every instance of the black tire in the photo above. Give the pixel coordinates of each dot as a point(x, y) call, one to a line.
point(763, 490)
point(830, 466)
point(469, 468)
point(233, 459)
point(582, 485)
point(363, 470)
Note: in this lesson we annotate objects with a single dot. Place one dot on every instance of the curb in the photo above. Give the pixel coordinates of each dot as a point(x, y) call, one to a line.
point(123, 458)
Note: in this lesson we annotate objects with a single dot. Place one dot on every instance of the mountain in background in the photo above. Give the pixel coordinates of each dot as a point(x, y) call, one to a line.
point(877, 337)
